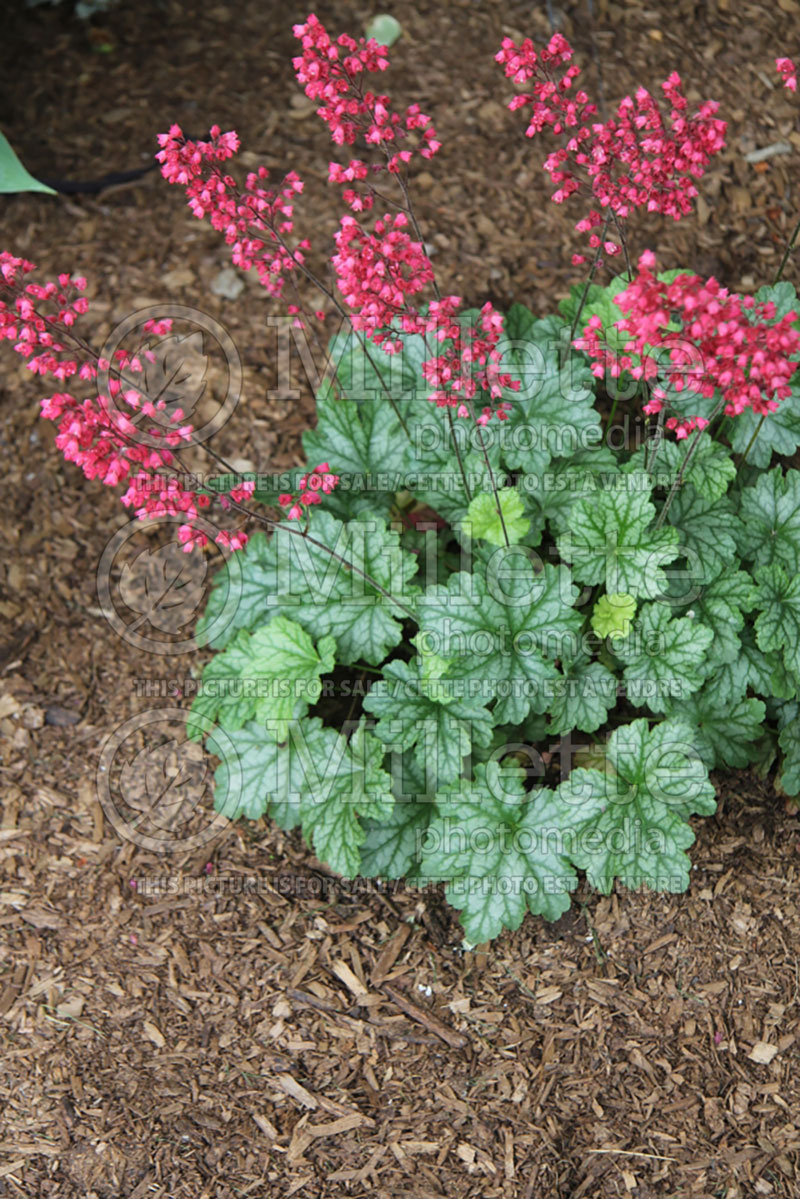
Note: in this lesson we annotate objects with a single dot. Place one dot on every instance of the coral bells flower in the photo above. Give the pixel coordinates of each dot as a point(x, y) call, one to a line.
point(635, 159)
point(255, 221)
point(98, 433)
point(313, 486)
point(726, 344)
point(471, 364)
point(332, 72)
point(377, 273)
point(788, 72)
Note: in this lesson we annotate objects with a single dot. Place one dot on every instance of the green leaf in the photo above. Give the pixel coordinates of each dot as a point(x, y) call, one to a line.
point(782, 295)
point(664, 657)
point(291, 575)
point(612, 615)
point(583, 697)
point(720, 606)
point(483, 518)
point(610, 540)
point(752, 668)
point(284, 658)
point(272, 674)
point(779, 434)
point(553, 413)
point(269, 776)
point(14, 177)
point(500, 850)
point(499, 624)
point(327, 597)
point(724, 733)
point(771, 519)
point(553, 492)
point(366, 375)
point(391, 847)
point(655, 782)
point(361, 441)
point(435, 718)
point(778, 623)
point(599, 302)
point(710, 471)
point(708, 532)
point(222, 696)
point(351, 785)
point(243, 594)
point(432, 468)
point(789, 741)
point(313, 776)
point(384, 29)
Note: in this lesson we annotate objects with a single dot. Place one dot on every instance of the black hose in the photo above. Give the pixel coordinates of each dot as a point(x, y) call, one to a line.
point(75, 187)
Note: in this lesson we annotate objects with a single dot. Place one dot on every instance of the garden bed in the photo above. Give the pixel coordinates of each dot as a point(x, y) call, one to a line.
point(239, 1022)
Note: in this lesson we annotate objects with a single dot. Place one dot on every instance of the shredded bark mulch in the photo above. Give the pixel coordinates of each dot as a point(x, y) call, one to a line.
point(231, 1020)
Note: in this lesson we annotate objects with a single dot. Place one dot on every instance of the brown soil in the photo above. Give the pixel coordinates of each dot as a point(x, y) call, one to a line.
point(205, 1036)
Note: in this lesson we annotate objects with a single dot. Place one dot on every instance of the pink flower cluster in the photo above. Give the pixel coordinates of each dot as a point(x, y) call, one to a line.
point(727, 344)
point(255, 222)
point(319, 480)
point(97, 434)
point(633, 160)
point(380, 272)
point(32, 331)
point(471, 363)
point(377, 273)
point(788, 72)
point(332, 71)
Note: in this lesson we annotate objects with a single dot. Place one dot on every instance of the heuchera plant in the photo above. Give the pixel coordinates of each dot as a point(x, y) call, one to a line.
point(543, 635)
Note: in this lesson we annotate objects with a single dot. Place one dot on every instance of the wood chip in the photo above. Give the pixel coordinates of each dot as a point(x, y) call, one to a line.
point(350, 980)
point(763, 1053)
point(297, 1091)
point(456, 1040)
point(389, 955)
point(266, 1126)
point(154, 1034)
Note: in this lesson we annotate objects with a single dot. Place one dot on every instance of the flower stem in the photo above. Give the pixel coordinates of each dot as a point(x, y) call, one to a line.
point(457, 450)
point(789, 247)
point(493, 484)
point(658, 437)
point(751, 442)
point(684, 467)
point(587, 284)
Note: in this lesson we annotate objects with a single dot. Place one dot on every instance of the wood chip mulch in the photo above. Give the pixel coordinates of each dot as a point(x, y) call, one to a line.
point(233, 1021)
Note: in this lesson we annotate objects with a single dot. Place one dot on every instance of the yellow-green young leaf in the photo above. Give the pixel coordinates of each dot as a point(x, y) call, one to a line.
point(612, 615)
point(285, 658)
point(483, 518)
point(432, 671)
